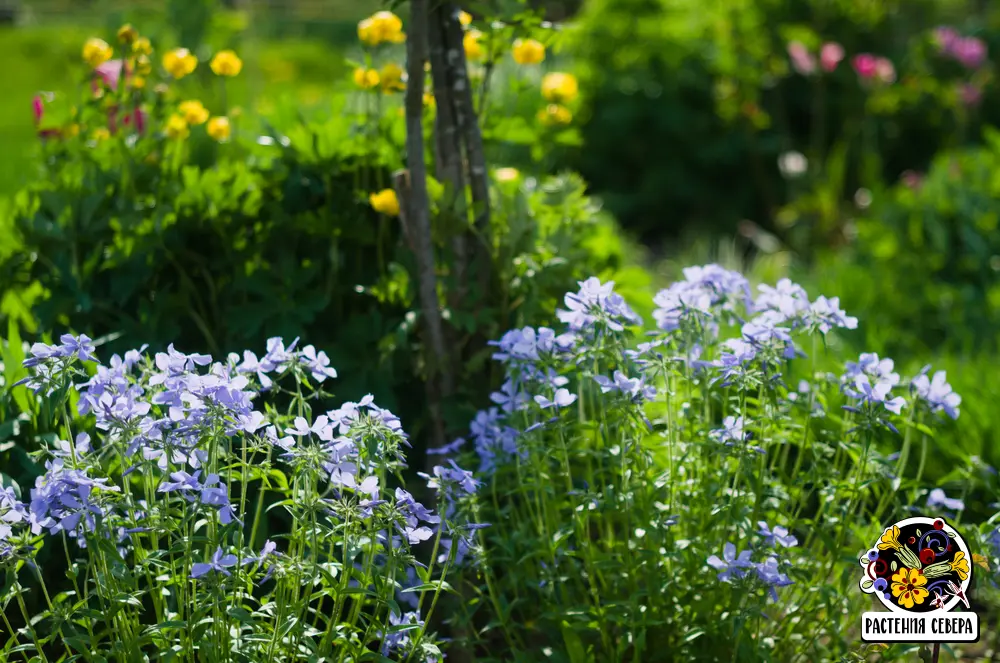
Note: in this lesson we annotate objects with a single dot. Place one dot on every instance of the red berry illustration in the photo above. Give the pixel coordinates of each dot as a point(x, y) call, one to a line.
point(912, 540)
point(927, 556)
point(938, 524)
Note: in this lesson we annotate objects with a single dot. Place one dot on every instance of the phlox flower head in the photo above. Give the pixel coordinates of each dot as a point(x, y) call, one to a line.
point(936, 393)
point(596, 304)
point(731, 565)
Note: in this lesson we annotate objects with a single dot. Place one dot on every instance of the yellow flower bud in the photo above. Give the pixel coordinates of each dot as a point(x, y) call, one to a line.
point(560, 88)
point(143, 66)
point(392, 78)
point(226, 63)
point(180, 62)
point(137, 82)
point(127, 34)
point(385, 202)
point(176, 127)
point(193, 112)
point(506, 174)
point(219, 129)
point(96, 52)
point(473, 49)
point(528, 51)
point(554, 114)
point(141, 46)
point(101, 134)
point(465, 18)
point(366, 79)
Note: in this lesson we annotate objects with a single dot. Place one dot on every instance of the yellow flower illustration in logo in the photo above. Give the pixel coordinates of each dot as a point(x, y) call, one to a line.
point(908, 587)
point(890, 539)
point(960, 565)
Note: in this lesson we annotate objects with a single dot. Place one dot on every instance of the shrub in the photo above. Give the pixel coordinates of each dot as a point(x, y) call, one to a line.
point(710, 100)
point(200, 521)
point(704, 494)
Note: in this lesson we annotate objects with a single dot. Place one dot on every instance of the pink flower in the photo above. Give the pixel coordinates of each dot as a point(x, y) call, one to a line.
point(830, 55)
point(912, 179)
point(37, 108)
point(136, 118)
point(802, 60)
point(970, 51)
point(884, 71)
point(969, 94)
point(865, 64)
point(110, 72)
point(945, 37)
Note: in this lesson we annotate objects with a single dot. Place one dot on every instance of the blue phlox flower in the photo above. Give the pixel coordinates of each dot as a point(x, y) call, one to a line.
point(778, 536)
point(219, 563)
point(731, 565)
point(561, 398)
point(937, 393)
point(937, 498)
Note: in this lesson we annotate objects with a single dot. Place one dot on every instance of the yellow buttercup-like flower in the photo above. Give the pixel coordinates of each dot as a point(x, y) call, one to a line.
point(127, 34)
point(176, 127)
point(908, 587)
point(366, 79)
point(226, 63)
point(473, 49)
point(193, 112)
point(960, 565)
point(385, 202)
point(137, 83)
point(101, 134)
point(96, 52)
point(560, 88)
point(554, 115)
point(889, 539)
point(429, 101)
point(141, 46)
point(143, 66)
point(218, 128)
point(380, 27)
point(180, 62)
point(465, 18)
point(528, 51)
point(392, 78)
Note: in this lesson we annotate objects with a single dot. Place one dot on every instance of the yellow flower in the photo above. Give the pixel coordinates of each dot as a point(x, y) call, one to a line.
point(560, 88)
point(193, 112)
point(528, 51)
point(392, 78)
point(366, 79)
point(464, 18)
point(506, 174)
point(96, 52)
point(180, 62)
point(890, 539)
point(979, 560)
point(226, 63)
point(908, 587)
point(177, 127)
point(72, 130)
point(473, 49)
point(429, 100)
point(127, 34)
point(143, 66)
point(383, 26)
point(101, 134)
point(960, 565)
point(385, 202)
point(554, 114)
point(218, 128)
point(137, 82)
point(141, 46)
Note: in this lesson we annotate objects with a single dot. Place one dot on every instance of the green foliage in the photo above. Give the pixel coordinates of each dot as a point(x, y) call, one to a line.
point(684, 100)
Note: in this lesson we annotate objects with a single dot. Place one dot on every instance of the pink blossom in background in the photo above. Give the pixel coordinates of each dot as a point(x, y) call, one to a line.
point(969, 94)
point(802, 60)
point(136, 118)
point(911, 179)
point(110, 72)
point(37, 108)
point(884, 70)
point(970, 51)
point(946, 37)
point(865, 65)
point(830, 55)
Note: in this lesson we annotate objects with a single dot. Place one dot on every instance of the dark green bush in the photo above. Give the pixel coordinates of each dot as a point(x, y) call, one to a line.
point(685, 102)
